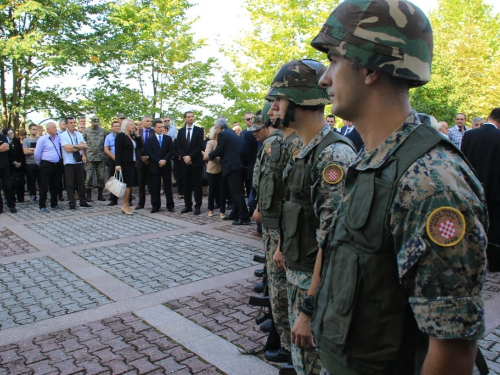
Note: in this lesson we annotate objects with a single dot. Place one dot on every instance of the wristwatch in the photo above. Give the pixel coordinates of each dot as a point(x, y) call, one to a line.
point(307, 306)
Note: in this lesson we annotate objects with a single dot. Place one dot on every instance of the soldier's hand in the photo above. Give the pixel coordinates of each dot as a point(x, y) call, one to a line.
point(257, 216)
point(279, 261)
point(84, 158)
point(301, 332)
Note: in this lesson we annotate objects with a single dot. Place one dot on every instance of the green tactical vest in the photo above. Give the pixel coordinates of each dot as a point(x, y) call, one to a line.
point(363, 323)
point(271, 187)
point(299, 222)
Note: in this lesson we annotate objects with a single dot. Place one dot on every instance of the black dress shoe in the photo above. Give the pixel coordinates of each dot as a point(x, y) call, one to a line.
point(112, 203)
point(155, 210)
point(139, 206)
point(13, 209)
point(227, 218)
point(259, 287)
point(282, 355)
point(197, 211)
point(85, 205)
point(259, 273)
point(170, 210)
point(186, 210)
point(241, 222)
point(61, 199)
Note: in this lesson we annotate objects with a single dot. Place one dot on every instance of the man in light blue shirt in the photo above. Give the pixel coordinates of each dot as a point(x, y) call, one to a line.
point(72, 144)
point(171, 129)
point(48, 154)
point(109, 150)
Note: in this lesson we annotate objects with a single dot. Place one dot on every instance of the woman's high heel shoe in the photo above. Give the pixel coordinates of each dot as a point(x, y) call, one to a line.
point(126, 212)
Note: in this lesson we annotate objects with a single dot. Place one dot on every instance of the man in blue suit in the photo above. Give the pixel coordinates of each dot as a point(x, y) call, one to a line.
point(159, 148)
point(228, 149)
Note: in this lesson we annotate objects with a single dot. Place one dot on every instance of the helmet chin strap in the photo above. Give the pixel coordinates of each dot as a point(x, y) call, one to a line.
point(289, 115)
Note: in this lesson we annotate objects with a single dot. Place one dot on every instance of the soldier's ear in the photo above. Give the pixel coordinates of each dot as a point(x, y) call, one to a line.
point(370, 76)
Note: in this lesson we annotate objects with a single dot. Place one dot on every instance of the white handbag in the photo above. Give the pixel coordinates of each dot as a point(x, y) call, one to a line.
point(116, 186)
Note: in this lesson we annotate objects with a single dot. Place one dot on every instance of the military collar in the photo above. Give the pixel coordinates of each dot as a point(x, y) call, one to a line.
point(376, 158)
point(277, 132)
point(314, 142)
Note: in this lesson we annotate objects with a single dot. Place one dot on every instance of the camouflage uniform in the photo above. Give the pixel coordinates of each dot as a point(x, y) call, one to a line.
point(95, 156)
point(406, 257)
point(325, 198)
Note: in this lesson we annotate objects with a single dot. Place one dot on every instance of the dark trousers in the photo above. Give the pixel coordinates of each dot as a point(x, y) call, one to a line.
point(493, 249)
point(75, 176)
point(111, 172)
point(216, 192)
point(49, 179)
point(143, 177)
point(33, 177)
point(235, 182)
point(19, 190)
point(191, 178)
point(61, 182)
point(165, 174)
point(178, 175)
point(7, 187)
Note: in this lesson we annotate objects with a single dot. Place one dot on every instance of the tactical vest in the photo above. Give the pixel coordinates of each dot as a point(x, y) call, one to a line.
point(299, 222)
point(362, 318)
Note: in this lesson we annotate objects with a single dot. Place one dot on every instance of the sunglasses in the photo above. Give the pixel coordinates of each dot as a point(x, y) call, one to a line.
point(248, 119)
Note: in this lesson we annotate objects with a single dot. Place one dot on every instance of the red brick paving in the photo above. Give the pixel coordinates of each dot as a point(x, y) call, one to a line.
point(12, 244)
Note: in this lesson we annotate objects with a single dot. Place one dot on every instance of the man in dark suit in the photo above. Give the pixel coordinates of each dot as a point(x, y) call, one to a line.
point(189, 146)
point(349, 131)
point(5, 175)
point(142, 161)
point(228, 149)
point(481, 146)
point(248, 152)
point(159, 148)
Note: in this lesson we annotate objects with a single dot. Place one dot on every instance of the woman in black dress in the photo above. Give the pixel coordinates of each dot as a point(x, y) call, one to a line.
point(17, 162)
point(125, 145)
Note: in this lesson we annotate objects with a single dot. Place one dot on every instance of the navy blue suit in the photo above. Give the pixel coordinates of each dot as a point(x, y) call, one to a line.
point(157, 173)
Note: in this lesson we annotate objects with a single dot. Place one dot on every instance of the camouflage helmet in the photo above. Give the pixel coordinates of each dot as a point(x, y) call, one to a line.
point(297, 81)
point(265, 110)
point(392, 36)
point(257, 123)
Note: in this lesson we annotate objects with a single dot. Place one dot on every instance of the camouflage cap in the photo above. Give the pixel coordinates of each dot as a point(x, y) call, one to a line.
point(93, 118)
point(392, 36)
point(297, 81)
point(120, 116)
point(257, 123)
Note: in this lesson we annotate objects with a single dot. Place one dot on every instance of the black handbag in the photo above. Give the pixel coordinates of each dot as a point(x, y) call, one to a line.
point(77, 156)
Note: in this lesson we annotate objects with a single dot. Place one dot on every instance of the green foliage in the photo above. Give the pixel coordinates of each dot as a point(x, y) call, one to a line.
point(282, 31)
point(466, 62)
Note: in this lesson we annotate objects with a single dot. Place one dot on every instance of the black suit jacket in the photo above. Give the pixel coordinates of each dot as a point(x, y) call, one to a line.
point(157, 153)
point(248, 153)
point(4, 156)
point(343, 130)
point(356, 139)
point(194, 148)
point(228, 149)
point(139, 151)
point(124, 149)
point(482, 148)
point(16, 154)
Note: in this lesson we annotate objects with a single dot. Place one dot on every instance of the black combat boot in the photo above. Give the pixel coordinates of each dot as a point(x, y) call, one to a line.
point(89, 195)
point(99, 195)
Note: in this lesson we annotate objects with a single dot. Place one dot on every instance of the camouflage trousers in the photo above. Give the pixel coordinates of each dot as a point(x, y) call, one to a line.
point(90, 167)
point(277, 286)
point(305, 362)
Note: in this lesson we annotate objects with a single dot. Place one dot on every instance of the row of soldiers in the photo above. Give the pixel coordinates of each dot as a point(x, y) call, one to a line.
point(375, 260)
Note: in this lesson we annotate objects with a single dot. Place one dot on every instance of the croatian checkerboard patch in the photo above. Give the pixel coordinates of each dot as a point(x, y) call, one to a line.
point(333, 174)
point(268, 149)
point(446, 226)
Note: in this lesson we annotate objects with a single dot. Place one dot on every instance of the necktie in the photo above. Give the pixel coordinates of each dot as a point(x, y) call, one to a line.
point(146, 135)
point(159, 140)
point(189, 136)
point(348, 131)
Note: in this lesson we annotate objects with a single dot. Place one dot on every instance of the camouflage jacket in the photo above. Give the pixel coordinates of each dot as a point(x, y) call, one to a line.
point(95, 141)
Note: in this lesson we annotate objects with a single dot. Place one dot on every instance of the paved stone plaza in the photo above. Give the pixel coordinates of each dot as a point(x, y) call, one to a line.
point(93, 291)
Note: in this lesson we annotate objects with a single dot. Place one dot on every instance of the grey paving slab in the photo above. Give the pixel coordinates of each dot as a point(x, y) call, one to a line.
point(161, 263)
point(37, 289)
point(85, 230)
point(490, 348)
point(11, 244)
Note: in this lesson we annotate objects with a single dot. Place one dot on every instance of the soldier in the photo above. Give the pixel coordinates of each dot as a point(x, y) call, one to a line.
point(405, 263)
point(269, 188)
point(314, 183)
point(94, 137)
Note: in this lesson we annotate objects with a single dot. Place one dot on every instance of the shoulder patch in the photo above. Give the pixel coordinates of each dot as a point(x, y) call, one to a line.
point(446, 226)
point(333, 174)
point(268, 149)
point(295, 153)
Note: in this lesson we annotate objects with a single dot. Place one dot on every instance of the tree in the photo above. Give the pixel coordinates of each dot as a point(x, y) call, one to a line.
point(282, 31)
point(465, 63)
point(40, 39)
point(150, 56)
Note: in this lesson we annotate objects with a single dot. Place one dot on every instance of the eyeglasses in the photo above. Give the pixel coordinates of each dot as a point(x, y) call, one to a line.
point(248, 119)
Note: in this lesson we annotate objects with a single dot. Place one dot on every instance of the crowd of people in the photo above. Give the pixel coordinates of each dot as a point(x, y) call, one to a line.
point(376, 236)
